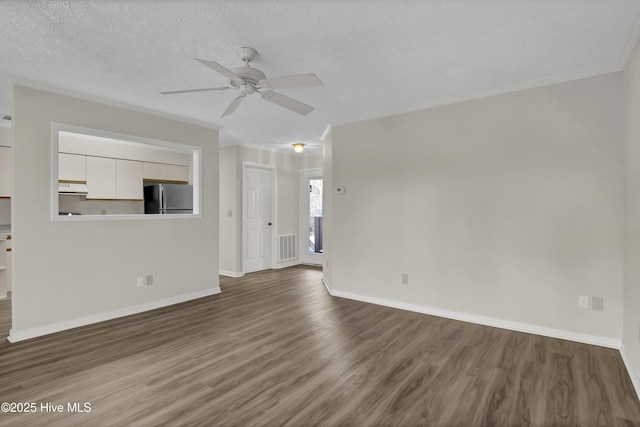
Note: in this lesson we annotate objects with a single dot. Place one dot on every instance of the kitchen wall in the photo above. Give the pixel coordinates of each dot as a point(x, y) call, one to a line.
point(288, 166)
point(96, 207)
point(515, 202)
point(86, 271)
point(631, 319)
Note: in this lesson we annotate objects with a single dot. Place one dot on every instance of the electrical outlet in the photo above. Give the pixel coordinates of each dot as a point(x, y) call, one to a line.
point(597, 303)
point(148, 280)
point(404, 278)
point(140, 281)
point(583, 301)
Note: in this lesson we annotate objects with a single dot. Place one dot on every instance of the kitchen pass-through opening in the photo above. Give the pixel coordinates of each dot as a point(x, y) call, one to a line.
point(99, 175)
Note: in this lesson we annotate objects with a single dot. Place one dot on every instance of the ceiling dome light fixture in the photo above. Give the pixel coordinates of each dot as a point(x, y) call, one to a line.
point(298, 147)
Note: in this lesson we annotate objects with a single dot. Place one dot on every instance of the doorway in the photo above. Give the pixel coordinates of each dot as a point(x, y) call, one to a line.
point(311, 216)
point(258, 190)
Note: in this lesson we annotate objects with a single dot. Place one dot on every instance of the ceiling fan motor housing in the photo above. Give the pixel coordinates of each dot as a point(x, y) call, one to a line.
point(248, 75)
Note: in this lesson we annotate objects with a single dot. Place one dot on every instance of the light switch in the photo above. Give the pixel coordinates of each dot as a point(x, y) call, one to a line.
point(230, 213)
point(340, 190)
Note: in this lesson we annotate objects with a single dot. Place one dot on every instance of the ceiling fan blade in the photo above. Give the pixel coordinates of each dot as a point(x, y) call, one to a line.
point(233, 106)
point(219, 68)
point(204, 89)
point(286, 102)
point(297, 80)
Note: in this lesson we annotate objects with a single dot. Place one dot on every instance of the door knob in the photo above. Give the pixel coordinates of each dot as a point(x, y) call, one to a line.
point(269, 223)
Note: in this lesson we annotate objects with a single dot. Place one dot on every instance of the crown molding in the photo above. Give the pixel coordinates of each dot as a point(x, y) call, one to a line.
point(32, 84)
point(563, 78)
point(326, 132)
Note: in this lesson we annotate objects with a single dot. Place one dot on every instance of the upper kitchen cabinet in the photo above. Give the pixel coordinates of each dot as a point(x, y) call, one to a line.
point(72, 167)
point(154, 171)
point(177, 173)
point(5, 172)
point(129, 184)
point(165, 172)
point(101, 178)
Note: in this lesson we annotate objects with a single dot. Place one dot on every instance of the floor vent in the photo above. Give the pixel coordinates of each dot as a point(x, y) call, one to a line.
point(286, 247)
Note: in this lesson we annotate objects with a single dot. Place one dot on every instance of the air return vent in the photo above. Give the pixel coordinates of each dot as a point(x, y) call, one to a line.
point(286, 247)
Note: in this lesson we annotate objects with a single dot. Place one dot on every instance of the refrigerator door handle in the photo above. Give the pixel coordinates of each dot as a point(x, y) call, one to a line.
point(161, 198)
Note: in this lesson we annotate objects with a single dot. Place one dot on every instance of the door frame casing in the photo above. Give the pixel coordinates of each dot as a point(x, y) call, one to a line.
point(304, 191)
point(274, 211)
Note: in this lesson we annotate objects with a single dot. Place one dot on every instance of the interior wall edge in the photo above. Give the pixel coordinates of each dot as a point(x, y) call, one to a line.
point(485, 320)
point(287, 264)
point(231, 273)
point(327, 284)
point(21, 335)
point(631, 43)
point(633, 374)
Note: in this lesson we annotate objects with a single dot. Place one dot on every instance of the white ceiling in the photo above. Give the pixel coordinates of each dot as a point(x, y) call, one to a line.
point(374, 57)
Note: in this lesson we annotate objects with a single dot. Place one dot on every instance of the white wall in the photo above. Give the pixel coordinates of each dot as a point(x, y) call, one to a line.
point(5, 204)
point(229, 225)
point(288, 166)
point(507, 207)
point(67, 273)
point(631, 321)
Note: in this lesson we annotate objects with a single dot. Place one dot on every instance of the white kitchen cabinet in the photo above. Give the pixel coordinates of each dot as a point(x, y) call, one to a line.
point(177, 173)
point(72, 167)
point(129, 180)
point(5, 172)
point(154, 171)
point(101, 178)
point(165, 173)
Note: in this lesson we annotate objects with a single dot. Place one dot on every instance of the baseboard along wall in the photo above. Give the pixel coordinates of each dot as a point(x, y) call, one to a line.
point(496, 323)
point(21, 335)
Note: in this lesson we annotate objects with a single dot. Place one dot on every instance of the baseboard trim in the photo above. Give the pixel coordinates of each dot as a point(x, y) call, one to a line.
point(633, 374)
point(327, 285)
point(287, 264)
point(484, 320)
point(231, 273)
point(15, 336)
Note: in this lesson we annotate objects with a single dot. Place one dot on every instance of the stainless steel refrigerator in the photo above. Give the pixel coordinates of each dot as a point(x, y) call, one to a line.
point(168, 199)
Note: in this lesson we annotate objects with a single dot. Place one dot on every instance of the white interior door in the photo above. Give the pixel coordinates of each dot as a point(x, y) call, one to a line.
point(258, 218)
point(311, 216)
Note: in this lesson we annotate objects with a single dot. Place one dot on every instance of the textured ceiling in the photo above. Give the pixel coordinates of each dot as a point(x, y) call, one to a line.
point(374, 57)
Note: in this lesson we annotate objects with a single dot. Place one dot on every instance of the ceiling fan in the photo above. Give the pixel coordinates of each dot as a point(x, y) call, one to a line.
point(250, 80)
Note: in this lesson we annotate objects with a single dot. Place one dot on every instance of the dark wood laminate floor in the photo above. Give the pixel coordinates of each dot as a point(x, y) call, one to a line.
point(275, 349)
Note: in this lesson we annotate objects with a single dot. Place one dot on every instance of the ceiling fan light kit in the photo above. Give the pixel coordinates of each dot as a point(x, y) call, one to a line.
point(249, 80)
point(298, 147)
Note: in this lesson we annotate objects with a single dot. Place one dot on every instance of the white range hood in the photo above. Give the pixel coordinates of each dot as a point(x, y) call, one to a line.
point(69, 188)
